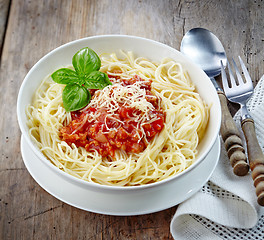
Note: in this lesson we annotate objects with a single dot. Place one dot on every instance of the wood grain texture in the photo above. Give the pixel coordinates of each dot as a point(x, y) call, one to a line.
point(232, 139)
point(36, 27)
point(255, 158)
point(4, 8)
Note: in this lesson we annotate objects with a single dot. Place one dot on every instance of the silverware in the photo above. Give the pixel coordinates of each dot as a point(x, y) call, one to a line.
point(206, 50)
point(239, 91)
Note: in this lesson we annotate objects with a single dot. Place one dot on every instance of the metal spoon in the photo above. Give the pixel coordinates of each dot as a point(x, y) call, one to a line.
point(206, 50)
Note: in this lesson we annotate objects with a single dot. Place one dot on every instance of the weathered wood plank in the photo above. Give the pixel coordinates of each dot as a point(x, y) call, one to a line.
point(35, 28)
point(238, 24)
point(4, 7)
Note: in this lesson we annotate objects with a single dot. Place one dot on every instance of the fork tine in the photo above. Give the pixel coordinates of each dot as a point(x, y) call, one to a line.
point(247, 76)
point(224, 77)
point(232, 79)
point(239, 77)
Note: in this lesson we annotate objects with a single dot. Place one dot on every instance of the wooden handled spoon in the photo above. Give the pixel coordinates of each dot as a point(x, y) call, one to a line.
point(206, 50)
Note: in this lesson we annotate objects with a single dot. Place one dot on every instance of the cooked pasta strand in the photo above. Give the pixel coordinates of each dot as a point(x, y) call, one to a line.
point(168, 153)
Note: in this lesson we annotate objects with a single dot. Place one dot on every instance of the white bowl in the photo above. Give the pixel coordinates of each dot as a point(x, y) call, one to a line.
point(152, 50)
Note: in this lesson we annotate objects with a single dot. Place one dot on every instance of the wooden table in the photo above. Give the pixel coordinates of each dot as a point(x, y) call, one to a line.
point(30, 29)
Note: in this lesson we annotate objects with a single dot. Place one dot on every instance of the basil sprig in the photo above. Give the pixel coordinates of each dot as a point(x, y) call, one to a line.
point(86, 76)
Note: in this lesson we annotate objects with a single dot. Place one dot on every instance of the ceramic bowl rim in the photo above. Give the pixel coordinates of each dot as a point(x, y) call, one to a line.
point(92, 184)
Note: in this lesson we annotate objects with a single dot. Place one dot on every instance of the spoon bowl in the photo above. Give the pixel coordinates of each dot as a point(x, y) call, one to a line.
point(205, 49)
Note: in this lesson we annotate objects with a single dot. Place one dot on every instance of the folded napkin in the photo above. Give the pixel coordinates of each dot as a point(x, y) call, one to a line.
point(226, 207)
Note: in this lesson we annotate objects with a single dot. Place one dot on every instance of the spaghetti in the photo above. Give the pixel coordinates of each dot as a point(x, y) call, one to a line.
point(167, 153)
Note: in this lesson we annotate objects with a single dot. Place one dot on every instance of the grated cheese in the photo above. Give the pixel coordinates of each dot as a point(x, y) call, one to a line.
point(133, 96)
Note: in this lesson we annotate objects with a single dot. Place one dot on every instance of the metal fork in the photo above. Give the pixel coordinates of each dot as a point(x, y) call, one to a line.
point(239, 92)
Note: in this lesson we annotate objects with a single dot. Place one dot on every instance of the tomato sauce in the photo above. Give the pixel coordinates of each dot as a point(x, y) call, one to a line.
point(107, 133)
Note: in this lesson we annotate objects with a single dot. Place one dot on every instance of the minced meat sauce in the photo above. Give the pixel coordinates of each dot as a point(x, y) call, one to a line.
point(125, 126)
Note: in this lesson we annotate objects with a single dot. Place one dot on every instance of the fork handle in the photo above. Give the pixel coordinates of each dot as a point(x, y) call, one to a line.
point(255, 157)
point(232, 139)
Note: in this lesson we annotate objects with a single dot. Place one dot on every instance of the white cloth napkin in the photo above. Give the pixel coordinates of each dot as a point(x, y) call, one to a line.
point(226, 207)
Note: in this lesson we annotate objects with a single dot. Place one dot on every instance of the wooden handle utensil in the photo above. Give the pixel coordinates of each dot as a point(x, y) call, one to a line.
point(255, 158)
point(232, 139)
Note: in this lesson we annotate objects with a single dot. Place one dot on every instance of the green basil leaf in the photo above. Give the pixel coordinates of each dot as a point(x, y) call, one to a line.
point(97, 80)
point(65, 76)
point(75, 97)
point(86, 61)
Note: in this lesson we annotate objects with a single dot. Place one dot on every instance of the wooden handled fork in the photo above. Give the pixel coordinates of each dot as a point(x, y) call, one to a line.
point(239, 92)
